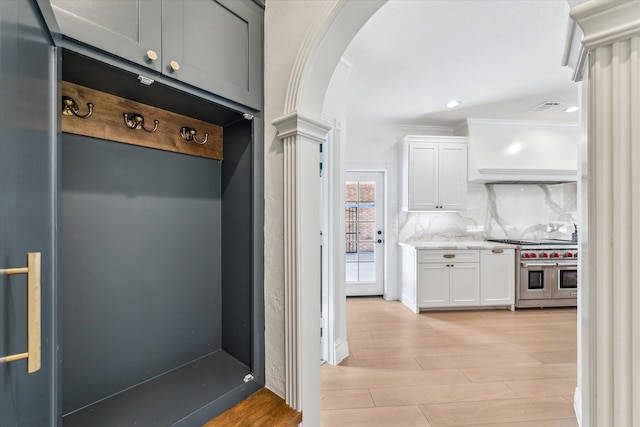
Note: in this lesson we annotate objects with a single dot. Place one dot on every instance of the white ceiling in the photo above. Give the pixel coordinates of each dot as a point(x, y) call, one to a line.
point(500, 58)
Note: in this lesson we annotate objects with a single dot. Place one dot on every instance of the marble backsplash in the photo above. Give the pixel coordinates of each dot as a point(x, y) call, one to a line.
point(514, 211)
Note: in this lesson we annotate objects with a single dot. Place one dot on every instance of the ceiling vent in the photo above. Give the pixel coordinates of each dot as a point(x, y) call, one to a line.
point(546, 106)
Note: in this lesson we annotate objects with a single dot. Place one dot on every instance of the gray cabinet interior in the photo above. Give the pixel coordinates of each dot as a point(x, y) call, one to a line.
point(160, 267)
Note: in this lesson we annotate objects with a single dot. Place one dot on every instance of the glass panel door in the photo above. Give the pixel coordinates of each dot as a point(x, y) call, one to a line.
point(364, 235)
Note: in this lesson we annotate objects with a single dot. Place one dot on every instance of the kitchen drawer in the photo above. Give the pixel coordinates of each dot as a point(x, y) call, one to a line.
point(455, 255)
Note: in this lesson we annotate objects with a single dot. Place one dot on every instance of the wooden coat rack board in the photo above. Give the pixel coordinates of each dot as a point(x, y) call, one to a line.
point(97, 114)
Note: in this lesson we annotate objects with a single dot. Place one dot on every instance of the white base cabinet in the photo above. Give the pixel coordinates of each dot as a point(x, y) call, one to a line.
point(497, 275)
point(437, 278)
point(455, 282)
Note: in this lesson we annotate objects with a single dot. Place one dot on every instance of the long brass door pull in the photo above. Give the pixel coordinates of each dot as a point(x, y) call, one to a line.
point(33, 353)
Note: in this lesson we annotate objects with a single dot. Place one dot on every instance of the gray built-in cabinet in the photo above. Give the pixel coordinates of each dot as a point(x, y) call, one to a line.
point(155, 313)
point(214, 45)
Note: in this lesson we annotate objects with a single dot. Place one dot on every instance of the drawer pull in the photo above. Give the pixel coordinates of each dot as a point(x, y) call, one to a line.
point(449, 255)
point(497, 251)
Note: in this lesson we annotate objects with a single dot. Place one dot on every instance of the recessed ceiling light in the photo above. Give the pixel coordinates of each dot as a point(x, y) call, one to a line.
point(571, 109)
point(453, 104)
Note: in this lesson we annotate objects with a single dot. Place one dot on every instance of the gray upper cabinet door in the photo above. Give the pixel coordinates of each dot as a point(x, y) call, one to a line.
point(214, 45)
point(217, 45)
point(128, 29)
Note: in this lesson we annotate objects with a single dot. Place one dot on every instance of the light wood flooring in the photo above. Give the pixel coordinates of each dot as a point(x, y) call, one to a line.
point(453, 368)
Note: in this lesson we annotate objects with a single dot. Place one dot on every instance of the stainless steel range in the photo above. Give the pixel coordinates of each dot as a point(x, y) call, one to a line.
point(546, 273)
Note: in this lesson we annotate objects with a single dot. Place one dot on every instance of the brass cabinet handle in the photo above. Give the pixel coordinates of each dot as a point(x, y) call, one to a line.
point(33, 353)
point(449, 255)
point(497, 251)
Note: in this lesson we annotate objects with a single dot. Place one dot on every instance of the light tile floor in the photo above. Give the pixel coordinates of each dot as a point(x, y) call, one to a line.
point(452, 368)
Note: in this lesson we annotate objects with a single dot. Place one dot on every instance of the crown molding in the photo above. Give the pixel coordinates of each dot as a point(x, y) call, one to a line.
point(605, 22)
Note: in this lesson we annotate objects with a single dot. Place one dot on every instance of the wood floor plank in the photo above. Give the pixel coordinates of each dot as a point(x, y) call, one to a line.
point(346, 399)
point(497, 411)
point(424, 395)
point(475, 361)
point(522, 372)
point(564, 422)
point(405, 416)
point(555, 356)
point(425, 350)
point(391, 364)
point(262, 408)
point(543, 387)
point(363, 377)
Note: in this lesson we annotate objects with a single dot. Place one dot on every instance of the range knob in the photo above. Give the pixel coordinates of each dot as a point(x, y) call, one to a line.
point(556, 255)
point(568, 255)
point(534, 255)
point(526, 256)
point(545, 255)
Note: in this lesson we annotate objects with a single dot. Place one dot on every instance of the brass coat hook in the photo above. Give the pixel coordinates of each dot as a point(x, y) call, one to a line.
point(70, 108)
point(189, 134)
point(136, 121)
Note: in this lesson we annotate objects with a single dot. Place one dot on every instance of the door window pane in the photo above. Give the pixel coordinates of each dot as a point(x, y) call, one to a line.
point(360, 229)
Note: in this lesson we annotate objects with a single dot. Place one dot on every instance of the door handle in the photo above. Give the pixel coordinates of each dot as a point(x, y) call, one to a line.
point(33, 353)
point(539, 264)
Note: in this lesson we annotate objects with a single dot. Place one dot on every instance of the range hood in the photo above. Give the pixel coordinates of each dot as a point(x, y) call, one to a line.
point(515, 152)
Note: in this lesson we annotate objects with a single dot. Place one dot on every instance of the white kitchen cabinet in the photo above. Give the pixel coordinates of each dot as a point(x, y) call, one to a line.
point(434, 173)
point(433, 285)
point(464, 284)
point(448, 278)
point(497, 276)
point(470, 275)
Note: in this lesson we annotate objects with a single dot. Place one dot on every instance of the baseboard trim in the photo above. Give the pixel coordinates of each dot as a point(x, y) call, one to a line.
point(577, 406)
point(341, 350)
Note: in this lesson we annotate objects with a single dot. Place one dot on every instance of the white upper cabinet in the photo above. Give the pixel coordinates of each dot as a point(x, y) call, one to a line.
point(434, 173)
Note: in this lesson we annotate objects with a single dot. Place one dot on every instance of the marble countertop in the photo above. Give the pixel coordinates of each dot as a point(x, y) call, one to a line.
point(459, 245)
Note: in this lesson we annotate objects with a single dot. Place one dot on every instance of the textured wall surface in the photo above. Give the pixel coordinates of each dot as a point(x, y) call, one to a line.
point(286, 24)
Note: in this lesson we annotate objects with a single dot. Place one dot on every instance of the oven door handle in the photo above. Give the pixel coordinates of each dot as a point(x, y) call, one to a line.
point(572, 265)
point(538, 264)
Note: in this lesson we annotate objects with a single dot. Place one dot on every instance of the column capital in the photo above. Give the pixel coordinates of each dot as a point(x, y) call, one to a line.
point(607, 21)
point(295, 123)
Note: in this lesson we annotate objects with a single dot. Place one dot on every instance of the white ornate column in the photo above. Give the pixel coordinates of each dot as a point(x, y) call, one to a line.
point(301, 137)
point(612, 34)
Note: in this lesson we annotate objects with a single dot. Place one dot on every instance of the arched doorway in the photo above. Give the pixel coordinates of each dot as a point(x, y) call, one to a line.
point(302, 127)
